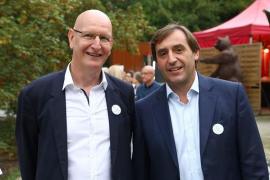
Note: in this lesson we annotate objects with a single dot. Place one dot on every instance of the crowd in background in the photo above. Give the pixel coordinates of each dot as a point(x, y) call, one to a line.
point(142, 81)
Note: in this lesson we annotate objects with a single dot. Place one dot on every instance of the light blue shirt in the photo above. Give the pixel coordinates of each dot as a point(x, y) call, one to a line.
point(185, 125)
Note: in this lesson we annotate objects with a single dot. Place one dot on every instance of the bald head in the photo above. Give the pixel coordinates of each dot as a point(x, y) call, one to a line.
point(92, 17)
point(148, 75)
point(148, 69)
point(91, 42)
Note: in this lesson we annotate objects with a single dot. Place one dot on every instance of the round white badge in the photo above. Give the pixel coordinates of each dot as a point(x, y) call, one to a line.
point(116, 109)
point(218, 129)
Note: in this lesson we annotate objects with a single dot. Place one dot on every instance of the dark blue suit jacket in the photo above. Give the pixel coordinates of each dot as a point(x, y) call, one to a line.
point(236, 154)
point(41, 130)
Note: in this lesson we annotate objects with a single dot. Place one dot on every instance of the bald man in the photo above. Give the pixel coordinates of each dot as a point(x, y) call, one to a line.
point(149, 84)
point(76, 124)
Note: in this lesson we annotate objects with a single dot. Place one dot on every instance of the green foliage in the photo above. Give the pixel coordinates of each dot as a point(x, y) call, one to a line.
point(195, 14)
point(12, 174)
point(33, 33)
point(186, 12)
point(33, 43)
point(33, 38)
point(7, 137)
point(231, 8)
point(128, 24)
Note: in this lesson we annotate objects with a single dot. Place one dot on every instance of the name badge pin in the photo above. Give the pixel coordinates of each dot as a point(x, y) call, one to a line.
point(116, 109)
point(218, 129)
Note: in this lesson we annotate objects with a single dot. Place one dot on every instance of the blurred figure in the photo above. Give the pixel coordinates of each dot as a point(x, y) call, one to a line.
point(137, 81)
point(149, 84)
point(117, 71)
point(129, 77)
point(138, 77)
point(227, 61)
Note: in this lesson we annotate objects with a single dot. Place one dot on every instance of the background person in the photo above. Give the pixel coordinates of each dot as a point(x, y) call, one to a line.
point(149, 84)
point(117, 71)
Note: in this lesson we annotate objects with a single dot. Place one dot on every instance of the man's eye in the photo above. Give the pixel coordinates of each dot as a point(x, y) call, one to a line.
point(178, 50)
point(88, 36)
point(104, 39)
point(162, 53)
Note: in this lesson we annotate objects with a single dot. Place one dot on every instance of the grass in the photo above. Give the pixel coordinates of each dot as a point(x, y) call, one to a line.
point(8, 155)
point(12, 174)
point(7, 137)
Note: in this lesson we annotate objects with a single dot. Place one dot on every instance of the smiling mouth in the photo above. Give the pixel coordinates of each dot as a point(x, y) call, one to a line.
point(93, 54)
point(175, 69)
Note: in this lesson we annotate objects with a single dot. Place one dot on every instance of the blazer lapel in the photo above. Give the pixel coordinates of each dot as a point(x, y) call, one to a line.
point(207, 104)
point(58, 114)
point(113, 98)
point(162, 115)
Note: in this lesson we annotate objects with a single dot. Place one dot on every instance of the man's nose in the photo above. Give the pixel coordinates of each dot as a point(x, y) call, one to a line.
point(96, 42)
point(171, 57)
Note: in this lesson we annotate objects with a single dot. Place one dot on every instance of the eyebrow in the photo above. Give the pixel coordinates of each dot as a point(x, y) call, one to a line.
point(178, 45)
point(162, 49)
point(91, 32)
point(174, 46)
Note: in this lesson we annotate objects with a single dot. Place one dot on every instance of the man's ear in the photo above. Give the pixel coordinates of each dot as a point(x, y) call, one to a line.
point(70, 38)
point(197, 55)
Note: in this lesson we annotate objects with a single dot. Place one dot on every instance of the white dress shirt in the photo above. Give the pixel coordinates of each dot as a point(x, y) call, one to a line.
point(185, 125)
point(88, 135)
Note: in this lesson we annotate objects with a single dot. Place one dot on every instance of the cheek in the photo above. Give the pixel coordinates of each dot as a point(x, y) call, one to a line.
point(79, 46)
point(107, 50)
point(160, 65)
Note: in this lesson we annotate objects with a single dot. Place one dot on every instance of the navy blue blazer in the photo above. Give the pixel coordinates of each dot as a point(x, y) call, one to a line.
point(41, 130)
point(236, 154)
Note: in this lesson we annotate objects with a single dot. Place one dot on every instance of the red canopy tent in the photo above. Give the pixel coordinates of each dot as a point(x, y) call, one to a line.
point(250, 25)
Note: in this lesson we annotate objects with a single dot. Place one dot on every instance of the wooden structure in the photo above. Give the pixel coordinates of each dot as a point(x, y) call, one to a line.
point(132, 62)
point(250, 61)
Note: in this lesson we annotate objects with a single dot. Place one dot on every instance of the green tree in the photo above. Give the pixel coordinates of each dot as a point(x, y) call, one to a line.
point(195, 14)
point(33, 38)
point(32, 44)
point(231, 8)
point(130, 27)
point(33, 33)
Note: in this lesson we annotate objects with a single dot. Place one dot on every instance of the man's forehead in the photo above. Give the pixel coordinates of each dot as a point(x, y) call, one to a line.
point(169, 46)
point(172, 41)
point(147, 69)
point(93, 17)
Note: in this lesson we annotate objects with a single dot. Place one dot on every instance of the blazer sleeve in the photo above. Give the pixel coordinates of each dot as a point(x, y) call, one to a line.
point(26, 136)
point(252, 156)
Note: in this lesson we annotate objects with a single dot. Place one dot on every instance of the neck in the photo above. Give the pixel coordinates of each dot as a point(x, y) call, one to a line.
point(85, 79)
point(149, 83)
point(181, 89)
